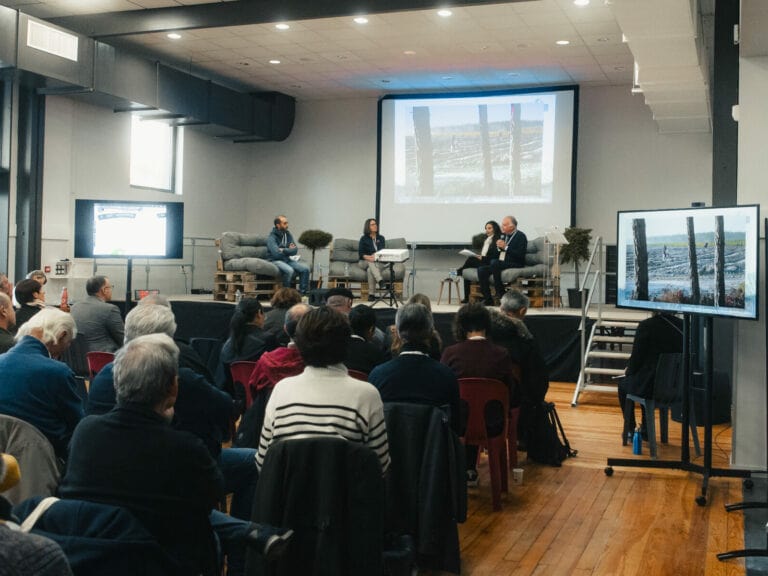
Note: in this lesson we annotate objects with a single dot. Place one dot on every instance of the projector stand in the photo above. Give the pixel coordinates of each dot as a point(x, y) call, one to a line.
point(389, 294)
point(128, 286)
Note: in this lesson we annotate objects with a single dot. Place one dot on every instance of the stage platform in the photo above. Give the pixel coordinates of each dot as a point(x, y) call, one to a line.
point(555, 329)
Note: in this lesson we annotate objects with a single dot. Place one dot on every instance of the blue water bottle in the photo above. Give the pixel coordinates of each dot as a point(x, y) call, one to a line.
point(637, 442)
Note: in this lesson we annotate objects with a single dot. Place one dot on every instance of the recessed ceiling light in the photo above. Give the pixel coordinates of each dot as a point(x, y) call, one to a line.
point(274, 61)
point(581, 2)
point(603, 39)
point(282, 26)
point(361, 20)
point(619, 68)
point(409, 52)
point(174, 36)
point(445, 13)
point(563, 42)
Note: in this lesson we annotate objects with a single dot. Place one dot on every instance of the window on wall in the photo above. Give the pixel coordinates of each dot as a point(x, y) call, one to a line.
point(155, 155)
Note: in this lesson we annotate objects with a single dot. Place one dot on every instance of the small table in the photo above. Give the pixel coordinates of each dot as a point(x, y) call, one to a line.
point(450, 281)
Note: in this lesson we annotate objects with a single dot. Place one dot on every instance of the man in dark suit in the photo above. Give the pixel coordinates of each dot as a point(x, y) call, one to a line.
point(512, 246)
point(97, 320)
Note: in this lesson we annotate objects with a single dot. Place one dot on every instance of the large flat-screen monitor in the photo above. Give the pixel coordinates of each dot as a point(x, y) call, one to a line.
point(691, 260)
point(448, 163)
point(128, 229)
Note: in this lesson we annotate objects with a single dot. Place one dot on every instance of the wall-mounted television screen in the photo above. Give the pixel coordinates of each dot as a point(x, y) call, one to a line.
point(691, 260)
point(127, 229)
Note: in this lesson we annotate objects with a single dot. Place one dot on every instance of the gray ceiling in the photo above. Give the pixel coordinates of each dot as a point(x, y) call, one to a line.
point(406, 46)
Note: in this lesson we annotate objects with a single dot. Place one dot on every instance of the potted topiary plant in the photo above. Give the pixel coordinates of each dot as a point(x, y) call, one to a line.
point(314, 240)
point(576, 251)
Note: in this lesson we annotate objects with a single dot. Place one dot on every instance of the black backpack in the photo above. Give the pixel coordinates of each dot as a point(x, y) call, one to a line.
point(547, 443)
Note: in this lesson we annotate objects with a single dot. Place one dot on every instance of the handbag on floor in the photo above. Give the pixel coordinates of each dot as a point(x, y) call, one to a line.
point(547, 443)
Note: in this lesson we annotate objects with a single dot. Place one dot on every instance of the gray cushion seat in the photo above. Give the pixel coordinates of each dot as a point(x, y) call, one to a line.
point(246, 252)
point(345, 263)
point(535, 260)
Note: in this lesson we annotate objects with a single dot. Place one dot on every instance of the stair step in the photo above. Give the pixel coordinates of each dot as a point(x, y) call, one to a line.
point(617, 324)
point(604, 371)
point(614, 339)
point(609, 354)
point(599, 388)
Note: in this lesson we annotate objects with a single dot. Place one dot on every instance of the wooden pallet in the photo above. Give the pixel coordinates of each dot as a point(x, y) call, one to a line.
point(227, 283)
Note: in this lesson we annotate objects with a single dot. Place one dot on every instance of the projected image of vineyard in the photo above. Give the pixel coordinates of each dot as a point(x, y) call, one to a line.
point(701, 263)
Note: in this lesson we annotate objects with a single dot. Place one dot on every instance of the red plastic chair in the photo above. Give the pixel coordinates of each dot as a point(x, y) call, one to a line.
point(241, 372)
point(477, 393)
point(357, 374)
point(97, 361)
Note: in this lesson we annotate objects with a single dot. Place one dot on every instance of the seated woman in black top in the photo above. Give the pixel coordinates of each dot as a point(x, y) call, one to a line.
point(488, 252)
point(247, 341)
point(370, 243)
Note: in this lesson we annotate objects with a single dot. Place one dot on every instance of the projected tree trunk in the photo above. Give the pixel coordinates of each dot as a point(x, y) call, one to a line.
point(719, 261)
point(641, 259)
point(515, 144)
point(694, 262)
point(485, 139)
point(424, 158)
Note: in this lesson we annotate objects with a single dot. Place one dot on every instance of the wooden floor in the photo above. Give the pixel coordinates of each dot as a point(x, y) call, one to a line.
point(575, 520)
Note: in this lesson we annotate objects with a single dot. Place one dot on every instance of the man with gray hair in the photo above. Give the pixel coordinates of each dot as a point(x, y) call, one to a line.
point(36, 388)
point(7, 323)
point(132, 457)
point(97, 320)
point(512, 246)
point(413, 376)
point(509, 330)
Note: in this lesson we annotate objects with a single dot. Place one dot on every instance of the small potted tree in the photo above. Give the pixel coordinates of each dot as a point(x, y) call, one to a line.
point(314, 240)
point(576, 251)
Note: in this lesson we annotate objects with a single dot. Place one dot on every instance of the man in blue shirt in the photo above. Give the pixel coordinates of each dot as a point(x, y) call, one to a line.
point(283, 254)
point(36, 388)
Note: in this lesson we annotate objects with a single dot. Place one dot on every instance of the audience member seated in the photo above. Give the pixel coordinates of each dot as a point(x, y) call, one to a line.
point(188, 356)
point(340, 299)
point(132, 457)
point(31, 298)
point(274, 320)
point(283, 253)
point(97, 320)
point(362, 354)
point(413, 376)
point(247, 341)
point(282, 362)
point(474, 356)
point(324, 400)
point(509, 330)
point(269, 370)
point(661, 333)
point(435, 342)
point(5, 285)
point(7, 323)
point(23, 554)
point(36, 388)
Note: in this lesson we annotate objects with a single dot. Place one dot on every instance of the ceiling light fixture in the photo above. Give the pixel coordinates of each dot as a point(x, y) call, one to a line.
point(563, 42)
point(636, 88)
point(361, 20)
point(174, 36)
point(581, 2)
point(274, 61)
point(409, 52)
point(282, 26)
point(444, 13)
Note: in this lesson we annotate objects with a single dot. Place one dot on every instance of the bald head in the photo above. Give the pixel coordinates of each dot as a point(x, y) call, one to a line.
point(7, 313)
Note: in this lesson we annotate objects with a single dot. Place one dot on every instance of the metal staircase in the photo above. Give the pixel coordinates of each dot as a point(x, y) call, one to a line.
point(606, 350)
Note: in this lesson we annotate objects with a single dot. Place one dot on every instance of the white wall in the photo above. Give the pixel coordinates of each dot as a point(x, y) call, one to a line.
point(625, 164)
point(87, 156)
point(749, 434)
